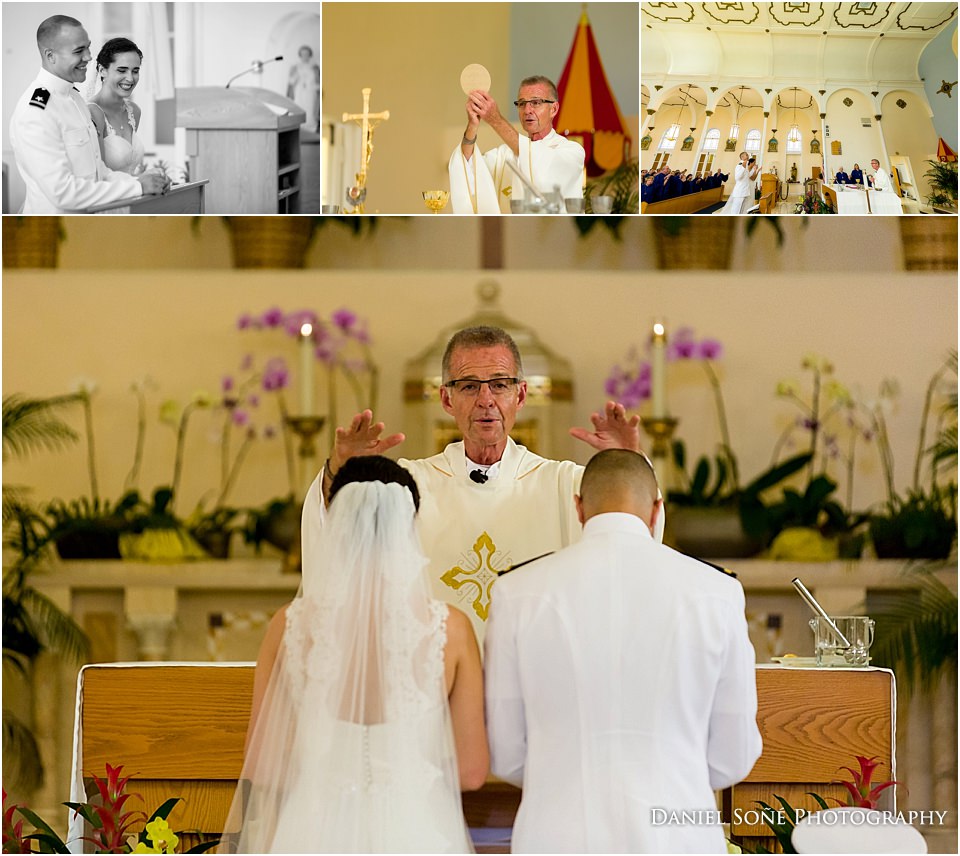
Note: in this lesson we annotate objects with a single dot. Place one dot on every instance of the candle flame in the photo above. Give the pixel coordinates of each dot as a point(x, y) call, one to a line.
point(658, 329)
point(306, 329)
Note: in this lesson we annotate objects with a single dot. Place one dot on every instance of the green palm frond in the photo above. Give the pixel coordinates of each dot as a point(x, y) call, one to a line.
point(56, 631)
point(30, 424)
point(21, 756)
point(917, 636)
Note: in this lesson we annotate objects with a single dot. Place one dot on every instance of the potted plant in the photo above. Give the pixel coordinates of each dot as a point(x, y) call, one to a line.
point(280, 242)
point(623, 184)
point(942, 178)
point(32, 242)
point(922, 523)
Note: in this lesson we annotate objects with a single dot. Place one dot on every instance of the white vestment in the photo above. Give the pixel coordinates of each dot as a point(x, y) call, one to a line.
point(881, 180)
point(481, 184)
point(472, 532)
point(620, 687)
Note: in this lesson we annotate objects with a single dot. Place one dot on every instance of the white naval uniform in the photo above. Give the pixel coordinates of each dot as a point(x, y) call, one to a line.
point(471, 532)
point(58, 153)
point(619, 679)
point(552, 161)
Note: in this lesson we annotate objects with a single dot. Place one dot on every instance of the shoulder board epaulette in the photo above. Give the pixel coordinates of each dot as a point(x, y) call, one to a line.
point(521, 564)
point(722, 570)
point(40, 98)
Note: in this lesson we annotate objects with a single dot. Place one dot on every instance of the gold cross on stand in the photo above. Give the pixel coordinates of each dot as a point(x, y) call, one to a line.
point(367, 122)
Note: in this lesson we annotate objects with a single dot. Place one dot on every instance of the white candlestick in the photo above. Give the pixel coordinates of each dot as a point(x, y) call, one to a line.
point(658, 370)
point(306, 370)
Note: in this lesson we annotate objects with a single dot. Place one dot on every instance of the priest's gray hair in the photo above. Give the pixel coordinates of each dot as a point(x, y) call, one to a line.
point(481, 337)
point(545, 81)
point(48, 31)
point(615, 475)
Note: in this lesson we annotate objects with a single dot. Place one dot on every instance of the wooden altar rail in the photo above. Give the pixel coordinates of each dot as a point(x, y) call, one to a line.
point(689, 203)
point(179, 730)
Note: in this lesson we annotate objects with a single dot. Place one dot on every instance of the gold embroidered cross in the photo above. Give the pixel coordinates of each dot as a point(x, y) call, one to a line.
point(478, 569)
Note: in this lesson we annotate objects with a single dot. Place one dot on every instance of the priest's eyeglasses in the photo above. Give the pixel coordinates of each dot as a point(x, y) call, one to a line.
point(470, 387)
point(536, 103)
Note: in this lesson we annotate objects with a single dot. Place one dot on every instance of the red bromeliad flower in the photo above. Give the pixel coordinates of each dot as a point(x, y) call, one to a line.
point(111, 823)
point(861, 794)
point(13, 838)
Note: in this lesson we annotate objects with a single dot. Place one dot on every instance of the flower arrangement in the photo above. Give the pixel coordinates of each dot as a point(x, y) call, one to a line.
point(923, 522)
point(108, 819)
point(341, 346)
point(812, 203)
point(861, 793)
point(630, 384)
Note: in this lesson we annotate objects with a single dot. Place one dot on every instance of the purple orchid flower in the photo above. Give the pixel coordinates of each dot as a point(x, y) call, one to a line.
point(710, 349)
point(275, 375)
point(273, 317)
point(344, 319)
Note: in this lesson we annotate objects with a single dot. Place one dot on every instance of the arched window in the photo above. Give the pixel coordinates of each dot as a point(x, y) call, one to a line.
point(712, 140)
point(753, 141)
point(668, 141)
point(794, 141)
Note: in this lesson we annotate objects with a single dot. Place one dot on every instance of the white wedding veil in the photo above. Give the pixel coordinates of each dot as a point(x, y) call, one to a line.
point(352, 749)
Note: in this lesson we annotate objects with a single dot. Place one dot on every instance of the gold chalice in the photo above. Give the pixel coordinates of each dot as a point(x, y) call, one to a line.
point(436, 200)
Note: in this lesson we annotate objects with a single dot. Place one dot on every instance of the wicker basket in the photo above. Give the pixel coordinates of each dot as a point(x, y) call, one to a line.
point(270, 242)
point(703, 243)
point(31, 242)
point(929, 242)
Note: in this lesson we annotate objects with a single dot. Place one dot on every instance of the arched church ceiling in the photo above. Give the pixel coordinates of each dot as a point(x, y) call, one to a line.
point(922, 20)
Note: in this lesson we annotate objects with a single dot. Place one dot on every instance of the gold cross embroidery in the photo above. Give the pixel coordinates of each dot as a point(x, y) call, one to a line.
point(483, 564)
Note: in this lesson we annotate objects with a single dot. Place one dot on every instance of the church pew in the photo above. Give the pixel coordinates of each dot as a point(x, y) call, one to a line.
point(179, 730)
point(687, 204)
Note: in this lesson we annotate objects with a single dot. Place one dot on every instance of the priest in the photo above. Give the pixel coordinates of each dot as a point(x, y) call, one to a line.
point(881, 178)
point(481, 182)
point(487, 504)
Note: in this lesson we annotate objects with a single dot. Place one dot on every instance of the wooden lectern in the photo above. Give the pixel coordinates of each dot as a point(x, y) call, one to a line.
point(179, 730)
point(246, 141)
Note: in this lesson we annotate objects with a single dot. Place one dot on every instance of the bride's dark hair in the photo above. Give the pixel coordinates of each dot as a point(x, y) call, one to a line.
point(110, 50)
point(374, 468)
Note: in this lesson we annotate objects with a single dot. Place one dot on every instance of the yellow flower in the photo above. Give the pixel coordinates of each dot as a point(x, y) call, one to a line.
point(144, 848)
point(787, 388)
point(170, 412)
point(838, 392)
point(160, 833)
point(202, 398)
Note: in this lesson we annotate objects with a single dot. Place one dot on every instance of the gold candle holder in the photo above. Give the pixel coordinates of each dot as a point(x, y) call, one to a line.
point(306, 428)
point(661, 431)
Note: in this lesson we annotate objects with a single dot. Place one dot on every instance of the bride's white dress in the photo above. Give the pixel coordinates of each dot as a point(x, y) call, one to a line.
point(120, 154)
point(741, 198)
point(352, 749)
point(368, 787)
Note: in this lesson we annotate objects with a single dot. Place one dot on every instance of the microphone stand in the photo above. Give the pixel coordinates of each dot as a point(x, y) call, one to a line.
point(257, 66)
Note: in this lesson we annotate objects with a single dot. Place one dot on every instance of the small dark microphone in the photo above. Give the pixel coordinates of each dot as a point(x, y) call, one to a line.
point(479, 476)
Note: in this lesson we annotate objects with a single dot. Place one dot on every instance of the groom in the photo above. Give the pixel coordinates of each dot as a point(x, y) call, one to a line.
point(53, 137)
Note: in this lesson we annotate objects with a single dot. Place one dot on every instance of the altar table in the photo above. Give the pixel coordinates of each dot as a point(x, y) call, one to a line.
point(179, 730)
point(853, 202)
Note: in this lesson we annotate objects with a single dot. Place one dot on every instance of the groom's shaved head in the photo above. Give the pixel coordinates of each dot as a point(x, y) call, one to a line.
point(618, 480)
point(49, 31)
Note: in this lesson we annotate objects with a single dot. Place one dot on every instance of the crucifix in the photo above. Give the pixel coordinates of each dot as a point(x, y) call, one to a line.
point(367, 122)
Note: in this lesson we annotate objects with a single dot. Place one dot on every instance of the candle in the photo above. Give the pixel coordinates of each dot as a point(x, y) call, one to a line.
point(306, 370)
point(658, 370)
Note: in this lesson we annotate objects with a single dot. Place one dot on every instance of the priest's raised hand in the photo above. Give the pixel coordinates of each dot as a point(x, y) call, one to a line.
point(361, 437)
point(612, 429)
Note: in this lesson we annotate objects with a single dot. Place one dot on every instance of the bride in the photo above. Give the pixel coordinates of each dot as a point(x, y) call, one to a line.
point(367, 716)
point(117, 117)
point(744, 178)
